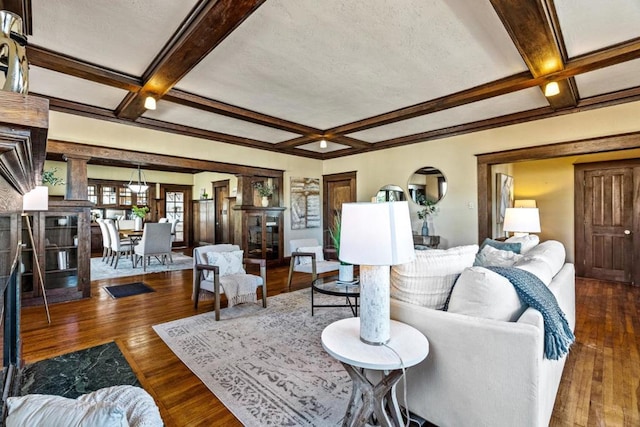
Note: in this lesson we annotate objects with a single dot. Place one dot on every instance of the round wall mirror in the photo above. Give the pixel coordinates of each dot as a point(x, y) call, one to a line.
point(427, 184)
point(391, 193)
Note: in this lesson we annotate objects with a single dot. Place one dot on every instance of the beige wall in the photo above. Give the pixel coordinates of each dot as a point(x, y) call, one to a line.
point(457, 219)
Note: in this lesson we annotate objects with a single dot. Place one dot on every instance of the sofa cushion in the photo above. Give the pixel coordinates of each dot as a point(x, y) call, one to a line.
point(427, 280)
point(551, 252)
point(140, 408)
point(307, 259)
point(490, 256)
point(54, 411)
point(527, 242)
point(227, 262)
point(504, 246)
point(538, 267)
point(482, 293)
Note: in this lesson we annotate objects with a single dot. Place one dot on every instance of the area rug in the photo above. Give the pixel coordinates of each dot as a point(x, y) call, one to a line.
point(77, 373)
point(128, 290)
point(101, 270)
point(267, 366)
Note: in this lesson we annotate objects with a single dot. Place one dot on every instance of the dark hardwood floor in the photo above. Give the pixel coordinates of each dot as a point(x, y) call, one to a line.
point(600, 385)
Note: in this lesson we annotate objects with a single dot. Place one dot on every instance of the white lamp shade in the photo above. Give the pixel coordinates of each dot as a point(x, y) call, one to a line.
point(522, 220)
point(36, 199)
point(376, 234)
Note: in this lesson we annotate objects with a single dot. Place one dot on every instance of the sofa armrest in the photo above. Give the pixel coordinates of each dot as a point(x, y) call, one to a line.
point(478, 372)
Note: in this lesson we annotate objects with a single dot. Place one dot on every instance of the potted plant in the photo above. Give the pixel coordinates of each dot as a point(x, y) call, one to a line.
point(345, 272)
point(428, 209)
point(265, 191)
point(138, 215)
point(49, 178)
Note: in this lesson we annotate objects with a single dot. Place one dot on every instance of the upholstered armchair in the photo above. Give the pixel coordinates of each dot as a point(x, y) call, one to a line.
point(307, 256)
point(155, 241)
point(219, 269)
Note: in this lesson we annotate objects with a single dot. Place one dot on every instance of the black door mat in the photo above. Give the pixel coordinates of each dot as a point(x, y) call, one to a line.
point(128, 290)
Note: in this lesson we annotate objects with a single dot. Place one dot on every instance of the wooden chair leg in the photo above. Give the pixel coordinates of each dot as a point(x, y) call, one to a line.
point(216, 287)
point(264, 295)
point(290, 274)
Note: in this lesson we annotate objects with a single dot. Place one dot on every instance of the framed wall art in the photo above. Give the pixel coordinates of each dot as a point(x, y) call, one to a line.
point(504, 195)
point(305, 203)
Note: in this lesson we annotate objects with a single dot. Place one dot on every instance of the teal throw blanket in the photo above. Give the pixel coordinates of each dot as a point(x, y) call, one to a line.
point(557, 333)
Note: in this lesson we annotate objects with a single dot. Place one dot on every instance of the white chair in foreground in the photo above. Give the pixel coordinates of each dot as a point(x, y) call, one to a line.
point(307, 256)
point(156, 241)
point(219, 269)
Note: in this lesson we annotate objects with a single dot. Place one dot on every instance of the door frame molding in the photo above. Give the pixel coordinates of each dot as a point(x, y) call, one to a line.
point(223, 183)
point(619, 142)
point(326, 179)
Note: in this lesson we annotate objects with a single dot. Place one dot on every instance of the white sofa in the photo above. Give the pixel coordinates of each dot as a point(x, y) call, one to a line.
point(485, 372)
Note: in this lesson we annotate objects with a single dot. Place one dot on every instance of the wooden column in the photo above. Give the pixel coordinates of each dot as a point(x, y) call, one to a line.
point(77, 181)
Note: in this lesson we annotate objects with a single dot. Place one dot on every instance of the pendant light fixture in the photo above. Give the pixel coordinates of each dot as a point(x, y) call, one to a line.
point(139, 187)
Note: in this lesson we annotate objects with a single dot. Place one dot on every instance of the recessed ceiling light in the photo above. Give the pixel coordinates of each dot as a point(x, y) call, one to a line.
point(551, 89)
point(150, 103)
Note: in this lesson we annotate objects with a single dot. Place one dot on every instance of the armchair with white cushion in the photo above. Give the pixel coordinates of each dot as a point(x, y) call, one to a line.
point(220, 269)
point(307, 256)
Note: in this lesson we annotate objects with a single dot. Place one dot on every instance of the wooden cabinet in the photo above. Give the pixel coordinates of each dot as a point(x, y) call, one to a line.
point(204, 222)
point(62, 244)
point(261, 233)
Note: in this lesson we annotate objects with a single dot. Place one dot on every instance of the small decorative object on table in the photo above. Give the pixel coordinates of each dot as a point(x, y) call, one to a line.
point(345, 270)
point(138, 216)
point(423, 214)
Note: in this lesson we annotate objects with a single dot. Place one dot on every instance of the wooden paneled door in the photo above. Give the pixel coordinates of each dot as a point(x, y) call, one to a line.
point(222, 214)
point(177, 205)
point(607, 244)
point(337, 189)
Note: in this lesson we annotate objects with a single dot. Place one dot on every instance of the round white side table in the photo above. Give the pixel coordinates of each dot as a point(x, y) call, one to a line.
point(341, 340)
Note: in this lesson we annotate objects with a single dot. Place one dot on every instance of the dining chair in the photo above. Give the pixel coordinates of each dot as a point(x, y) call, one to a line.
point(220, 269)
point(156, 242)
point(118, 246)
point(307, 256)
point(106, 240)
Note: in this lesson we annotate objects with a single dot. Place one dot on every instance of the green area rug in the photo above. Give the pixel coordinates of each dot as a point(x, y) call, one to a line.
point(77, 373)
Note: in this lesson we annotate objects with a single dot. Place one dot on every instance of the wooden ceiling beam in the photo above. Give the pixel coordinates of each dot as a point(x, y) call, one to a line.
point(590, 62)
point(55, 61)
point(148, 160)
point(209, 24)
point(228, 110)
point(301, 140)
point(532, 31)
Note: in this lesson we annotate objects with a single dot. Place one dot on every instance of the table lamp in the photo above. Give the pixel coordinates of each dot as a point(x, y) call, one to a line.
point(521, 221)
point(375, 236)
point(36, 200)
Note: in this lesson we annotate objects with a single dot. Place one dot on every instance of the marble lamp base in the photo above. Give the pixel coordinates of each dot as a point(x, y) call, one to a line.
point(375, 324)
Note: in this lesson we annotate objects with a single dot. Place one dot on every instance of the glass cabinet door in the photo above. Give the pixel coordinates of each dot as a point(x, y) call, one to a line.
point(61, 251)
point(254, 235)
point(272, 235)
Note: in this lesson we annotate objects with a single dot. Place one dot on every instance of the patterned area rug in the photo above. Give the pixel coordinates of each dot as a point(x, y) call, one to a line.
point(267, 366)
point(100, 270)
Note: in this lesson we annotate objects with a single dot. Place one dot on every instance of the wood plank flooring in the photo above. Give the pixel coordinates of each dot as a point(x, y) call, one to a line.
point(600, 385)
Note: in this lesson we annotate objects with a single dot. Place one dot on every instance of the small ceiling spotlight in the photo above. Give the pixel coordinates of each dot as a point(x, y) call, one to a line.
point(551, 89)
point(150, 103)
point(323, 143)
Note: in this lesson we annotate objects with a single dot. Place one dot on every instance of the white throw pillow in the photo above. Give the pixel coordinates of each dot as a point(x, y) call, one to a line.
point(140, 408)
point(537, 267)
point(227, 262)
point(482, 293)
point(490, 256)
point(427, 281)
point(551, 252)
point(527, 242)
point(307, 259)
point(37, 410)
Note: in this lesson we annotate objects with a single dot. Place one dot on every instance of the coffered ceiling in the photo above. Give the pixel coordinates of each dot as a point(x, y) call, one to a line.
point(364, 75)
